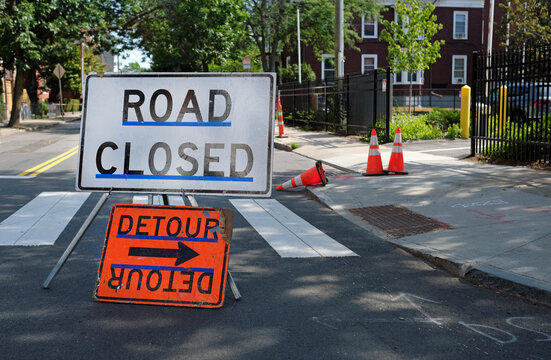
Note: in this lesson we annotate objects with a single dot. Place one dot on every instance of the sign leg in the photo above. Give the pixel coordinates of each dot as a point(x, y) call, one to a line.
point(75, 240)
point(234, 289)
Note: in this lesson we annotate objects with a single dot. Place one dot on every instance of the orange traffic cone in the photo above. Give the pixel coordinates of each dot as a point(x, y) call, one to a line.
point(374, 161)
point(396, 163)
point(310, 177)
point(280, 120)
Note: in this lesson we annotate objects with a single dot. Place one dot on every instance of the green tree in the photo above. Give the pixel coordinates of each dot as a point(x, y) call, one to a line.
point(526, 23)
point(290, 74)
point(70, 60)
point(411, 46)
point(273, 24)
point(32, 33)
point(188, 35)
point(133, 67)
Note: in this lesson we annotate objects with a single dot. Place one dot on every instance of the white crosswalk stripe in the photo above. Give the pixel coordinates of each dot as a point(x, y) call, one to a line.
point(286, 232)
point(173, 200)
point(42, 220)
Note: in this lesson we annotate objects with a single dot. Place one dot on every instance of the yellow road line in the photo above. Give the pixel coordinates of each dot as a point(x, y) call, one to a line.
point(50, 163)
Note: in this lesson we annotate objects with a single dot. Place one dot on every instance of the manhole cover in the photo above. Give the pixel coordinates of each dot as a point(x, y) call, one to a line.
point(398, 221)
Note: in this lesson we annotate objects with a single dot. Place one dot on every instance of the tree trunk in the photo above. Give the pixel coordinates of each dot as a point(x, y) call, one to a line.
point(410, 92)
point(17, 97)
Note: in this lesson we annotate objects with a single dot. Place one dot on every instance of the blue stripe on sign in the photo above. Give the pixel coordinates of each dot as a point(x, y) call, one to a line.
point(188, 123)
point(168, 268)
point(174, 177)
point(175, 238)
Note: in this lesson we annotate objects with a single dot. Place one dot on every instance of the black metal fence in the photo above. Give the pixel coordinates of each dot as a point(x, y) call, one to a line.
point(511, 105)
point(423, 98)
point(350, 105)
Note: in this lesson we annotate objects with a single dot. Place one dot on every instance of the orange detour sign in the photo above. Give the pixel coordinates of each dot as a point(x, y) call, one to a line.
point(165, 256)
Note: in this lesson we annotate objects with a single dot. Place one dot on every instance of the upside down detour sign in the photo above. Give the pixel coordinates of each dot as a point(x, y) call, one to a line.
point(165, 256)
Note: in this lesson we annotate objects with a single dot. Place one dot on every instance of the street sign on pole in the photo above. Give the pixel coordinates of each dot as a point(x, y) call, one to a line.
point(246, 63)
point(59, 71)
point(165, 256)
point(163, 132)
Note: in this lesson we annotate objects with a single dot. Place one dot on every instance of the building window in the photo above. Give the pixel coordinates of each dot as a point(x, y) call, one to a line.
point(287, 61)
point(460, 25)
point(369, 62)
point(404, 77)
point(459, 69)
point(327, 66)
point(404, 24)
point(369, 27)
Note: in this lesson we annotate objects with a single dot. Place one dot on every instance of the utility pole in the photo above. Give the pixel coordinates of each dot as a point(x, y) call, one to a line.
point(298, 48)
point(82, 69)
point(339, 39)
point(489, 44)
point(490, 28)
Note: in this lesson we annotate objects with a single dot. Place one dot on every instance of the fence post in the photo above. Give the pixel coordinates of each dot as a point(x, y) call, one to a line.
point(294, 108)
point(465, 111)
point(375, 80)
point(389, 99)
point(308, 96)
point(347, 103)
point(326, 100)
point(474, 93)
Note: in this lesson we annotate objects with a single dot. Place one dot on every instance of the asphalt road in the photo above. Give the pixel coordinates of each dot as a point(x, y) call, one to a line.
point(382, 304)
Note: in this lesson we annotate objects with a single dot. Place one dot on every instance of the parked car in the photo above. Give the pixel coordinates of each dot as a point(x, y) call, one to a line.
point(525, 101)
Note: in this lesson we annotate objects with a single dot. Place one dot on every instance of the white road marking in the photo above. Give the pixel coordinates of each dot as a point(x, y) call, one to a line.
point(17, 177)
point(42, 220)
point(173, 200)
point(287, 233)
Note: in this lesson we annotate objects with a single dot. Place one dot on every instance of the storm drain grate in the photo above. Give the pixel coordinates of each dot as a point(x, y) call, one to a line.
point(398, 221)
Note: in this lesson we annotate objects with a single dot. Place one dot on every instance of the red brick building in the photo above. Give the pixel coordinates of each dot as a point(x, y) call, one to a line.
point(465, 29)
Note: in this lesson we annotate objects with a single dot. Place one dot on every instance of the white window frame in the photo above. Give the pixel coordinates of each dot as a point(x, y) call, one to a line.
point(369, 56)
point(323, 58)
point(375, 28)
point(287, 61)
point(404, 81)
point(455, 80)
point(466, 33)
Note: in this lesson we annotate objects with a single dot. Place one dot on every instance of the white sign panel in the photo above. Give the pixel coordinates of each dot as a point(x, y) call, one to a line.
point(173, 132)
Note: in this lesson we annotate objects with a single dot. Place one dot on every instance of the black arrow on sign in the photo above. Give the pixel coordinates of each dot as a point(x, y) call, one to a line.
point(182, 254)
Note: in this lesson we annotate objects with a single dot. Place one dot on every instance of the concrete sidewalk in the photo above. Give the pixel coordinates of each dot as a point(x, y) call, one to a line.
point(489, 224)
point(37, 124)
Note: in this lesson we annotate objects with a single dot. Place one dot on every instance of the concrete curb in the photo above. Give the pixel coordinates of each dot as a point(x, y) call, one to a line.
point(281, 146)
point(476, 273)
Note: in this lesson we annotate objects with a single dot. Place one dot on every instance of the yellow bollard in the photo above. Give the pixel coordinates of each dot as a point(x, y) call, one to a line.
point(465, 111)
point(502, 105)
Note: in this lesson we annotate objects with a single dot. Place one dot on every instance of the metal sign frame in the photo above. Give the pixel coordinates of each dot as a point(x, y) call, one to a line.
point(202, 181)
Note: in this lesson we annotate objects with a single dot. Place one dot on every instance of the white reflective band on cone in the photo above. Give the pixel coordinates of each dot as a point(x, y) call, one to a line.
point(373, 152)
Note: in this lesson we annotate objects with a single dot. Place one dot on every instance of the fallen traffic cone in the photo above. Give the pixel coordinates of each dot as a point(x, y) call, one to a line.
point(396, 163)
point(280, 120)
point(310, 177)
point(374, 161)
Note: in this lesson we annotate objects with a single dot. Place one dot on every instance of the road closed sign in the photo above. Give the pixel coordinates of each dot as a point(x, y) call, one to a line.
point(171, 132)
point(165, 256)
